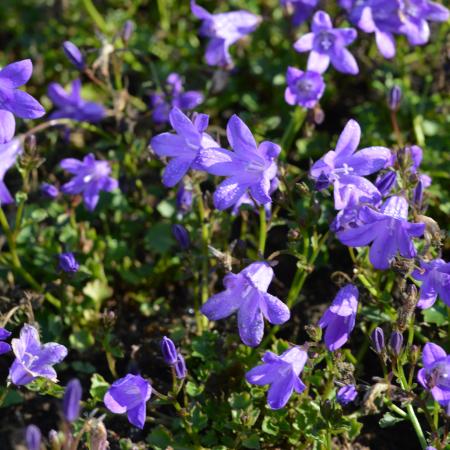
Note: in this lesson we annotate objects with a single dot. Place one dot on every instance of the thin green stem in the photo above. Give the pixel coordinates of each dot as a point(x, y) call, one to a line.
point(205, 268)
point(262, 230)
point(95, 15)
point(297, 118)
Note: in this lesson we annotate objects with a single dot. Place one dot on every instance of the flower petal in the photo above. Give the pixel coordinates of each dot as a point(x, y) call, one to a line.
point(240, 137)
point(349, 139)
point(7, 126)
point(221, 305)
point(274, 310)
point(432, 353)
point(305, 43)
point(175, 171)
point(228, 193)
point(250, 320)
point(25, 106)
point(16, 74)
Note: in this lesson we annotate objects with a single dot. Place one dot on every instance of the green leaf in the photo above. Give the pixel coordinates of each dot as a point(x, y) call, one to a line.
point(437, 314)
point(159, 438)
point(389, 420)
point(98, 291)
point(193, 389)
point(99, 386)
point(251, 442)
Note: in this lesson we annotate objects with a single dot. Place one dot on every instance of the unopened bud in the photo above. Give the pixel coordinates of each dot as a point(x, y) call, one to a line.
point(71, 400)
point(414, 354)
point(396, 343)
point(314, 332)
point(180, 367)
point(127, 30)
point(169, 351)
point(386, 182)
point(33, 437)
point(418, 195)
point(181, 235)
point(377, 338)
point(395, 98)
point(74, 55)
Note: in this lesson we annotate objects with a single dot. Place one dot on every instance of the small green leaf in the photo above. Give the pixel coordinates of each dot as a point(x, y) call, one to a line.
point(99, 386)
point(389, 420)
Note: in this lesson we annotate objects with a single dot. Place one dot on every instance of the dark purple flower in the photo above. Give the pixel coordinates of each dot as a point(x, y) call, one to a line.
point(9, 153)
point(303, 88)
point(396, 343)
point(246, 294)
point(184, 198)
point(388, 229)
point(34, 359)
point(180, 367)
point(282, 373)
point(377, 338)
point(67, 262)
point(385, 182)
point(4, 347)
point(224, 30)
point(74, 55)
point(346, 169)
point(182, 147)
point(248, 168)
point(395, 97)
point(14, 101)
point(181, 235)
point(346, 394)
point(90, 177)
point(49, 190)
point(169, 351)
point(435, 278)
point(327, 44)
point(302, 9)
point(173, 97)
point(72, 106)
point(72, 399)
point(129, 395)
point(33, 437)
point(339, 318)
point(435, 375)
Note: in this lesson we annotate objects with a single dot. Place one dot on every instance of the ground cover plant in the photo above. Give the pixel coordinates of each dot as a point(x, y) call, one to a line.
point(223, 224)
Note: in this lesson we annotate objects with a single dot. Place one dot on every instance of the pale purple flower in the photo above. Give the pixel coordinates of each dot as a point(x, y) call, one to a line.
point(74, 55)
point(435, 278)
point(303, 88)
point(90, 177)
point(387, 229)
point(70, 105)
point(302, 9)
point(33, 437)
point(9, 153)
point(72, 399)
point(49, 190)
point(248, 168)
point(182, 147)
point(246, 294)
point(346, 394)
point(223, 30)
point(34, 359)
point(435, 375)
point(14, 102)
point(129, 395)
point(4, 347)
point(282, 372)
point(346, 169)
point(67, 262)
point(327, 44)
point(339, 318)
point(173, 96)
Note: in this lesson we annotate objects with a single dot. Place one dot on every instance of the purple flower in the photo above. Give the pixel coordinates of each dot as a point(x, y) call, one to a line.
point(414, 15)
point(377, 338)
point(181, 235)
point(74, 55)
point(435, 278)
point(339, 318)
point(33, 437)
point(129, 395)
point(8, 156)
point(395, 98)
point(224, 30)
point(345, 169)
point(173, 97)
point(396, 343)
point(346, 394)
point(184, 198)
point(90, 177)
point(435, 375)
point(34, 359)
point(72, 399)
point(328, 44)
point(248, 167)
point(67, 262)
point(169, 351)
point(14, 102)
point(303, 88)
point(4, 347)
point(302, 9)
point(49, 190)
point(182, 147)
point(282, 373)
point(180, 367)
point(385, 182)
point(246, 293)
point(388, 229)
point(72, 106)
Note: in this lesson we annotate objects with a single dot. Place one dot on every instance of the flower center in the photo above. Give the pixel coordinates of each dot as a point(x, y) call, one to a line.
point(305, 86)
point(255, 166)
point(326, 41)
point(441, 375)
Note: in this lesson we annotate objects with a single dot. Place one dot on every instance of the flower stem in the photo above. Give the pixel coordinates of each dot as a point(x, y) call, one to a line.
point(297, 119)
point(262, 230)
point(95, 15)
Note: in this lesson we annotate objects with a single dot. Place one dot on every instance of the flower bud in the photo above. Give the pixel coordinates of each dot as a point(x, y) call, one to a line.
point(71, 400)
point(386, 182)
point(396, 343)
point(395, 98)
point(74, 55)
point(314, 332)
point(346, 394)
point(180, 367)
point(414, 354)
point(184, 199)
point(49, 190)
point(33, 437)
point(68, 263)
point(181, 235)
point(377, 338)
point(418, 195)
point(169, 351)
point(127, 30)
